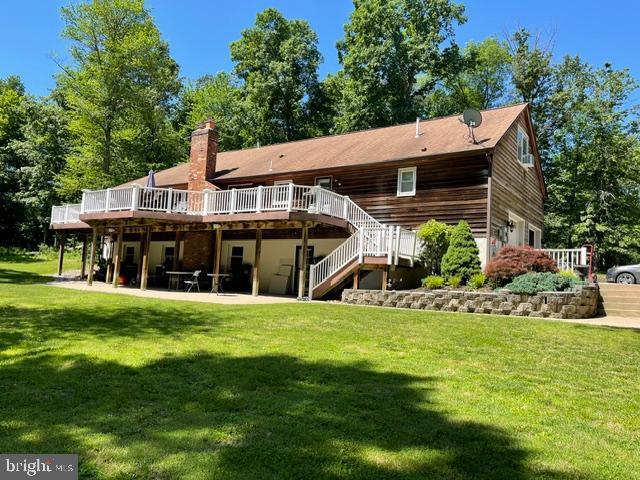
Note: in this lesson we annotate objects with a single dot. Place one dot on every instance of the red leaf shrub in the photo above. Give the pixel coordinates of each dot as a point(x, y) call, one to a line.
point(513, 261)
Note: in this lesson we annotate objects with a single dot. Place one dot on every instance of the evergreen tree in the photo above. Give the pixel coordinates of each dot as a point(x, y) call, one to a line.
point(463, 257)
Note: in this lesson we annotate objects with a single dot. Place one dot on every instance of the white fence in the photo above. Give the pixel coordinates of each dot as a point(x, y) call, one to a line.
point(567, 259)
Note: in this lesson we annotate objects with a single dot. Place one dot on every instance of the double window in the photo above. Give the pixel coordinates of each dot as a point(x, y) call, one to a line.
point(406, 182)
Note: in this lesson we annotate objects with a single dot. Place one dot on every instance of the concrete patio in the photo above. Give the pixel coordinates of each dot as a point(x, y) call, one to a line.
point(203, 297)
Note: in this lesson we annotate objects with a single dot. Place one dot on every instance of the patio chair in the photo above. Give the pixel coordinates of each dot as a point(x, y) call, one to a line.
point(193, 281)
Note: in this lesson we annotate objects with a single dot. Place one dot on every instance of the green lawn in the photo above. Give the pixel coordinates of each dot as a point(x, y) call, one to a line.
point(145, 388)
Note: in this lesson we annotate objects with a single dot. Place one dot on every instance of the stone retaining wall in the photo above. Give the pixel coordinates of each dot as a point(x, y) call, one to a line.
point(581, 302)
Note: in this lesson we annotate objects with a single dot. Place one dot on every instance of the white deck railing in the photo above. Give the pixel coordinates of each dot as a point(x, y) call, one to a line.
point(567, 258)
point(392, 242)
point(69, 213)
point(290, 198)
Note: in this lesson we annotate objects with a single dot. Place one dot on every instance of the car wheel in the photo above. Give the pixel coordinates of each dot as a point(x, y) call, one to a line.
point(625, 279)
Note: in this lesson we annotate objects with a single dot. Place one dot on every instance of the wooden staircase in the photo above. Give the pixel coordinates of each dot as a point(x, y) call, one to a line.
point(619, 300)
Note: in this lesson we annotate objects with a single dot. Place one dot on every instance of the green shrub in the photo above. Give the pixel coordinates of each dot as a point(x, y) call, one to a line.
point(463, 257)
point(454, 281)
point(435, 241)
point(535, 282)
point(570, 274)
point(477, 281)
point(432, 282)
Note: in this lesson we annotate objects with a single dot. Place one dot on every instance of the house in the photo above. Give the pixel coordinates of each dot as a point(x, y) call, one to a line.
point(305, 217)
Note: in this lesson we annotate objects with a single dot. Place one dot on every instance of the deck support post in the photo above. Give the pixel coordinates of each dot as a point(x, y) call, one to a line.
point(145, 258)
point(139, 272)
point(176, 250)
point(117, 258)
point(304, 261)
point(385, 278)
point(61, 253)
point(356, 279)
point(109, 275)
point(92, 255)
point(218, 252)
point(256, 264)
point(83, 267)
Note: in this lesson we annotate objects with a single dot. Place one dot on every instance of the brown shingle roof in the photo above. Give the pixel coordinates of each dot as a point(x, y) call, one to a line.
point(438, 136)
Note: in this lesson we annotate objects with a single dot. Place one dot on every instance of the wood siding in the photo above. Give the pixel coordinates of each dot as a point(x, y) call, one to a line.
point(447, 190)
point(514, 187)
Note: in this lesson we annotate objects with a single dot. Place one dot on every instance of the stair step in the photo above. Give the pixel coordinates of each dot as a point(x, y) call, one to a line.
point(621, 299)
point(622, 312)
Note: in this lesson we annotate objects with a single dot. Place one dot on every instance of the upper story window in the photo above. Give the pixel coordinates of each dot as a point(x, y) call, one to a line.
point(406, 181)
point(324, 182)
point(524, 152)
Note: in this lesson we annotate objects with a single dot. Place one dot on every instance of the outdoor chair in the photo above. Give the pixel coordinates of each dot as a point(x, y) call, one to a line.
point(193, 281)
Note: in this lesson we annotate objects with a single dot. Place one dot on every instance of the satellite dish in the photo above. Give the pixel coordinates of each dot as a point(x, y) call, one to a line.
point(472, 118)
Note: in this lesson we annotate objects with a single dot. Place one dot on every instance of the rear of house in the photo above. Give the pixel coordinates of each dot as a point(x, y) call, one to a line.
point(310, 216)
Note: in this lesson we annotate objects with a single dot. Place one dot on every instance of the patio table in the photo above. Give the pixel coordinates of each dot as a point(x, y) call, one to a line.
point(176, 276)
point(216, 282)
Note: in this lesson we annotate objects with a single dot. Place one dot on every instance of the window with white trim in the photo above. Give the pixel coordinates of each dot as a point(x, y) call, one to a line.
point(524, 151)
point(535, 236)
point(324, 182)
point(406, 182)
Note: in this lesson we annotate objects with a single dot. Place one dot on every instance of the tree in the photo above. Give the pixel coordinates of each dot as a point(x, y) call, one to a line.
point(277, 60)
point(387, 44)
point(119, 91)
point(594, 174)
point(13, 115)
point(434, 238)
point(219, 97)
point(532, 76)
point(42, 148)
point(463, 257)
point(480, 81)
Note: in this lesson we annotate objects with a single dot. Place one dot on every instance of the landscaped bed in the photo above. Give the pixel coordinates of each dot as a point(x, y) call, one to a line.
point(143, 388)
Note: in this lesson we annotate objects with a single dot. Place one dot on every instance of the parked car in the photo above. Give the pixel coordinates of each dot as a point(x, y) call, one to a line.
point(626, 274)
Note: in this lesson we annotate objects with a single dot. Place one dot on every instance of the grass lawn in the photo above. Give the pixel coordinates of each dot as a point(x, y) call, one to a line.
point(144, 388)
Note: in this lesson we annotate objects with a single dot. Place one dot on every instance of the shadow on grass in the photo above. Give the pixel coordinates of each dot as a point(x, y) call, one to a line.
point(207, 416)
point(19, 277)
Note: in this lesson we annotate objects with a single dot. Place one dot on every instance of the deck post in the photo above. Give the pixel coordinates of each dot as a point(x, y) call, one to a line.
point(390, 245)
point(256, 264)
point(385, 278)
point(356, 279)
point(290, 197)
point(92, 255)
point(61, 253)
point(83, 267)
point(304, 261)
point(259, 199)
point(134, 196)
point(218, 252)
point(139, 272)
point(176, 250)
point(107, 200)
point(117, 259)
point(145, 258)
point(169, 199)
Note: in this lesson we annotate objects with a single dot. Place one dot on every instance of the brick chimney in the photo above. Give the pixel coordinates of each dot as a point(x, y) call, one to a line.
point(202, 159)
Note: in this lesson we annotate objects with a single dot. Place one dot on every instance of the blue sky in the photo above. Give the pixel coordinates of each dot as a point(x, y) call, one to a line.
point(199, 32)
